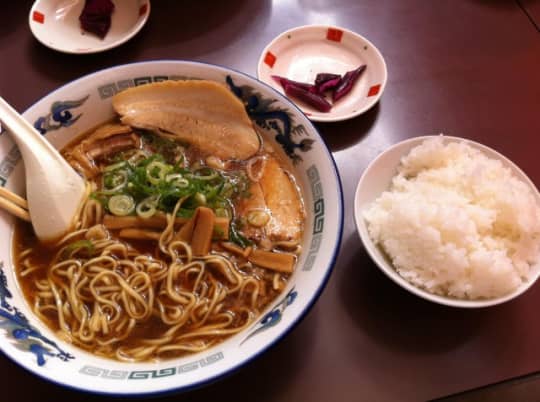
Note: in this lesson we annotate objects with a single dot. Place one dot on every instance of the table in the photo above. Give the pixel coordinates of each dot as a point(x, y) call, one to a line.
point(531, 8)
point(467, 68)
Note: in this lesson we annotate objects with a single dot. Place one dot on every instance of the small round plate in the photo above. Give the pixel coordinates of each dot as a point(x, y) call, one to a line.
point(55, 23)
point(301, 53)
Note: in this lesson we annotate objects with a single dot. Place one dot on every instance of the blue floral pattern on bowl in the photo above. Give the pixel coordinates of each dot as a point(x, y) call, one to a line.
point(273, 317)
point(59, 116)
point(25, 335)
point(278, 120)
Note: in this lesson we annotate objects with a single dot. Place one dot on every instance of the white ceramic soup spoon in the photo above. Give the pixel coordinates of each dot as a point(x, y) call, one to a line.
point(54, 190)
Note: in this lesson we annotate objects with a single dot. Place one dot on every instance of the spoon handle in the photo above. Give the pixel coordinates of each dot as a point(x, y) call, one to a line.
point(53, 189)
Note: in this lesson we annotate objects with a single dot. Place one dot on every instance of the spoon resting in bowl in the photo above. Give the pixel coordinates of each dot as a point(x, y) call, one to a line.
point(54, 190)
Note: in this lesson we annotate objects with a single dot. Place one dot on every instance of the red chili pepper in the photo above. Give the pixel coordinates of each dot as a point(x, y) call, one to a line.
point(347, 82)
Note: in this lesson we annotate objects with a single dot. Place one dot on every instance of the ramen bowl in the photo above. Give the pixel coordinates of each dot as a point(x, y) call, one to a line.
point(81, 105)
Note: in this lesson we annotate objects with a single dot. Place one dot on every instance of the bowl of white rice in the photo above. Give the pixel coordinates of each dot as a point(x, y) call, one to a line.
point(450, 220)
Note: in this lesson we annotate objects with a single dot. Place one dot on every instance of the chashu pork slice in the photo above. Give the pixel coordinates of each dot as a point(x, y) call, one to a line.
point(283, 200)
point(254, 203)
point(276, 194)
point(202, 113)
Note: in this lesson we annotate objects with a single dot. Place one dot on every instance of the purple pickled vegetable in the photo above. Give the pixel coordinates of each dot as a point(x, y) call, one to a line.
point(321, 78)
point(347, 82)
point(304, 85)
point(329, 85)
point(315, 100)
point(96, 16)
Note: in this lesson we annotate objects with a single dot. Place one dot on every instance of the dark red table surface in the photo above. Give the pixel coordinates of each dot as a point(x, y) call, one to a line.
point(532, 10)
point(467, 68)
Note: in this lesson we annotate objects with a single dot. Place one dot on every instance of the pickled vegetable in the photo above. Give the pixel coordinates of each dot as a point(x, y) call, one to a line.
point(96, 16)
point(315, 100)
point(347, 82)
point(304, 85)
point(314, 94)
point(329, 85)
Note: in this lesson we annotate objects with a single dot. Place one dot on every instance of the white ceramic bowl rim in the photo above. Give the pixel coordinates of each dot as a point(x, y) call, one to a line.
point(306, 307)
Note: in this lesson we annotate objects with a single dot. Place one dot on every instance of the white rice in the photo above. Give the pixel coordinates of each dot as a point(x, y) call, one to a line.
point(457, 223)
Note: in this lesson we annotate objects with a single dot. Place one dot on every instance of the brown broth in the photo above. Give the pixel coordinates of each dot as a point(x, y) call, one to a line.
point(23, 239)
point(153, 327)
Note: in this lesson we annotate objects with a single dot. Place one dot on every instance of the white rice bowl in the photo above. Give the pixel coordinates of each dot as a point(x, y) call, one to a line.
point(457, 223)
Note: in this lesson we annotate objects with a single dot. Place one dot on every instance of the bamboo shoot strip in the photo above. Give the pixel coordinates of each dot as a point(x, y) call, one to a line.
point(281, 262)
point(203, 231)
point(159, 221)
point(198, 231)
point(139, 234)
point(236, 249)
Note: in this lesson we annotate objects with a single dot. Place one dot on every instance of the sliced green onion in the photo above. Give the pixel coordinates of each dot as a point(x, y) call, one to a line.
point(215, 162)
point(227, 190)
point(156, 171)
point(121, 205)
point(147, 207)
point(237, 237)
point(78, 245)
point(115, 166)
point(200, 198)
point(212, 192)
point(138, 156)
point(173, 176)
point(118, 180)
point(177, 180)
point(258, 218)
point(212, 174)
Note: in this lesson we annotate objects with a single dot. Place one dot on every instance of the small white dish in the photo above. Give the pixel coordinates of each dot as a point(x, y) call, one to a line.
point(55, 23)
point(377, 178)
point(300, 53)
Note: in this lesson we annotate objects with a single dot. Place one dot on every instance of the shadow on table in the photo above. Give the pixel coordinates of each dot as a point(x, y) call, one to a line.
point(186, 30)
point(522, 389)
point(391, 315)
point(344, 134)
point(16, 14)
point(496, 4)
point(194, 22)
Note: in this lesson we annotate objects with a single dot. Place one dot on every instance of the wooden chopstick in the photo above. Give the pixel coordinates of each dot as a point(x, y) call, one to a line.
point(14, 204)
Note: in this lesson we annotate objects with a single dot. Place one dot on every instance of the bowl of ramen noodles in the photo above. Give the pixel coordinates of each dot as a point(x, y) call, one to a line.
point(211, 223)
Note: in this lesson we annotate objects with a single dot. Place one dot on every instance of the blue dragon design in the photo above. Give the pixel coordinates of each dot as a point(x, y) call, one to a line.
point(4, 291)
point(59, 116)
point(278, 120)
point(28, 337)
point(273, 317)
